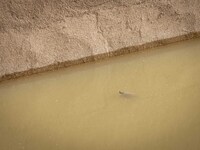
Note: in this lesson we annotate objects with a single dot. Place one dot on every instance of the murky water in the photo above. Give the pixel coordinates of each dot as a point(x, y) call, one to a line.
point(81, 108)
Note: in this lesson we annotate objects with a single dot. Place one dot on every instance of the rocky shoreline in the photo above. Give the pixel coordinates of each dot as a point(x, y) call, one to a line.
point(38, 36)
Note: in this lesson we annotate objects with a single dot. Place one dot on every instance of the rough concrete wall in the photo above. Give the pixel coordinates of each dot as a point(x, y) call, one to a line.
point(37, 34)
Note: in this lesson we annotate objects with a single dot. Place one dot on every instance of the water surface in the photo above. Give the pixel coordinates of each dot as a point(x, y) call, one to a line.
point(80, 108)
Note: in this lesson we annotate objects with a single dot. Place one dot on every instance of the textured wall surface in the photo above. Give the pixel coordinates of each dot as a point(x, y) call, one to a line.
point(38, 35)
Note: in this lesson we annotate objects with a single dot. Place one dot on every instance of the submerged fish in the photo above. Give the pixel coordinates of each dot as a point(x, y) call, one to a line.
point(127, 94)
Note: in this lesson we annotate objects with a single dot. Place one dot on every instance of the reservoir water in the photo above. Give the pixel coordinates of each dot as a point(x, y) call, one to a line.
point(148, 100)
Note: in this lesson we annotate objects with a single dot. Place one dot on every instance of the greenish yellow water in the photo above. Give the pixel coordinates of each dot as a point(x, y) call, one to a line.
point(80, 108)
